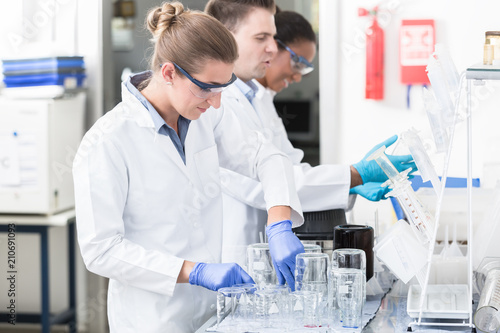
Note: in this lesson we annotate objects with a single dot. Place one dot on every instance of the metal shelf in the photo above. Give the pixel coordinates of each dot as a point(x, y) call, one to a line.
point(483, 72)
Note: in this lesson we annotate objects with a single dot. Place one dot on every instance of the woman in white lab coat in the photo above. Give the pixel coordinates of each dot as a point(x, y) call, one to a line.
point(323, 187)
point(147, 184)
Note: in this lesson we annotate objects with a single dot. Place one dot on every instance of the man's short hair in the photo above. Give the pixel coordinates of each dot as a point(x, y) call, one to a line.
point(231, 12)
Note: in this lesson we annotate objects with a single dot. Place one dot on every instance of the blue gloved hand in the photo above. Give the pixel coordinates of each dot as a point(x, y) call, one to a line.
point(371, 191)
point(370, 171)
point(284, 246)
point(215, 276)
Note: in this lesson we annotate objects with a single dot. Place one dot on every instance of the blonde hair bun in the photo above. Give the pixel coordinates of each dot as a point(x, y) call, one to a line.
point(161, 18)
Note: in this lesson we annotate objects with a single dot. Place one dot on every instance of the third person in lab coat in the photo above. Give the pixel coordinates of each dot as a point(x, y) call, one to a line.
point(277, 58)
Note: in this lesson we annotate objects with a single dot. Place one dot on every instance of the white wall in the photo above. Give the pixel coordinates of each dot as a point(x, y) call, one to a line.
point(360, 123)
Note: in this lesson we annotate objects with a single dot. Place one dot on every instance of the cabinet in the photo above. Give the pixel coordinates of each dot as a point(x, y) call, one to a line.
point(38, 142)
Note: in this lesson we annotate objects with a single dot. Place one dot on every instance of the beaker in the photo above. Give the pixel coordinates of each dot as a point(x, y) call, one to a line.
point(303, 307)
point(260, 264)
point(311, 248)
point(270, 307)
point(351, 258)
point(349, 297)
point(311, 274)
point(487, 317)
point(227, 304)
point(246, 303)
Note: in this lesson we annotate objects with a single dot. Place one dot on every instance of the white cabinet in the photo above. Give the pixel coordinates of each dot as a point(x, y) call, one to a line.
point(38, 142)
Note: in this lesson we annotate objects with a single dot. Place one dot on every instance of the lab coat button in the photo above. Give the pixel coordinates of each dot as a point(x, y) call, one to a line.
point(212, 307)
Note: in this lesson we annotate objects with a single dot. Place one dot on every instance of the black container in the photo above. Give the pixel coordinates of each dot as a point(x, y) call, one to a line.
point(321, 223)
point(352, 236)
point(318, 227)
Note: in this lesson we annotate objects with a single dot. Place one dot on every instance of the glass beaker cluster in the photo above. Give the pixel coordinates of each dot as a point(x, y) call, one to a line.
point(329, 294)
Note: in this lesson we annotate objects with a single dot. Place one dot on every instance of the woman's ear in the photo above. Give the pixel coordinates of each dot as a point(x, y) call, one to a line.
point(168, 72)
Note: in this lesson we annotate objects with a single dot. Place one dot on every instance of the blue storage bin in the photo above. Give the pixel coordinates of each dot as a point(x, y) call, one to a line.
point(51, 63)
point(41, 80)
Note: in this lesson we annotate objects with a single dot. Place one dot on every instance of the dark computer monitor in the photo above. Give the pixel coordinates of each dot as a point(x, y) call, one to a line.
point(298, 119)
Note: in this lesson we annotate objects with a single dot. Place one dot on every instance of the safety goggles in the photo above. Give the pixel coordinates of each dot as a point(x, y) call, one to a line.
point(202, 89)
point(299, 63)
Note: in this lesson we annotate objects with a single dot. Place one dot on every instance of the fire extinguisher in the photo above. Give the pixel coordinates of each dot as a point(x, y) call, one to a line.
point(374, 56)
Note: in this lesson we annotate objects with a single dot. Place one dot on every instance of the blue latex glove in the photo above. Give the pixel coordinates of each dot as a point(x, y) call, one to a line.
point(371, 191)
point(284, 246)
point(215, 276)
point(370, 171)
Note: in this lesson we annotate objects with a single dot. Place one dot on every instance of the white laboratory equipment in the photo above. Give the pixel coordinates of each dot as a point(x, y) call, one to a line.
point(38, 142)
point(421, 220)
point(487, 276)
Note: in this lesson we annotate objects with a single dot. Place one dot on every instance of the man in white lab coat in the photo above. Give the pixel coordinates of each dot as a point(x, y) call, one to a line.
point(320, 188)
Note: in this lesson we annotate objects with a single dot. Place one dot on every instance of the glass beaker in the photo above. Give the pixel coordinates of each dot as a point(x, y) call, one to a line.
point(228, 318)
point(311, 274)
point(246, 303)
point(349, 297)
point(351, 258)
point(311, 248)
point(260, 264)
point(487, 316)
point(270, 307)
point(303, 307)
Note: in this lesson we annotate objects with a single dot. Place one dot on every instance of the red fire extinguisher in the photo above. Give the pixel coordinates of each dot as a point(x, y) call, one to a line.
point(374, 56)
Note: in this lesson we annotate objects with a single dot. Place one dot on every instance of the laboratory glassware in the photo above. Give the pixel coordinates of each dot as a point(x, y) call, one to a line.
point(246, 303)
point(493, 38)
point(227, 304)
point(270, 307)
point(349, 297)
point(350, 258)
point(487, 316)
point(311, 273)
point(421, 220)
point(260, 264)
point(356, 237)
point(489, 52)
point(311, 248)
point(303, 306)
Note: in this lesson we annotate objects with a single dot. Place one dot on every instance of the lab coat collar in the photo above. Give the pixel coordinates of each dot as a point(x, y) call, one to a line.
point(134, 108)
point(249, 89)
point(262, 90)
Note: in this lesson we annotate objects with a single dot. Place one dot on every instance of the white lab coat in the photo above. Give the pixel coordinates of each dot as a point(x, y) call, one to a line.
point(141, 211)
point(319, 188)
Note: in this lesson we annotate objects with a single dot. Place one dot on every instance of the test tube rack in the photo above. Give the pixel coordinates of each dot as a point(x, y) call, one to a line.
point(475, 74)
